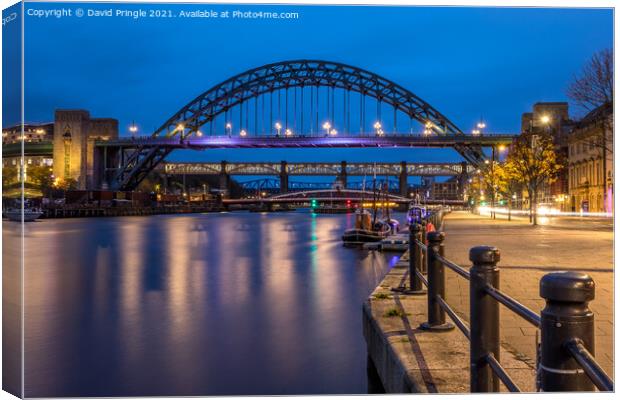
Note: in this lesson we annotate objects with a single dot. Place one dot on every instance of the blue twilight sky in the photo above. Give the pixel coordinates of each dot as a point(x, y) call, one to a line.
point(466, 62)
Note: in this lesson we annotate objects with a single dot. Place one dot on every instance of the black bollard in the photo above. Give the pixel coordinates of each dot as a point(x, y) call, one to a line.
point(484, 318)
point(566, 317)
point(415, 283)
point(436, 285)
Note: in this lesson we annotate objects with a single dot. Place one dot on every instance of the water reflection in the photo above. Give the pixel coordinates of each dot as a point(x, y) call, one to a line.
point(237, 303)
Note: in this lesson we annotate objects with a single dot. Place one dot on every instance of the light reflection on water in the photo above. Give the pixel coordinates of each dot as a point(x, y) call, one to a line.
point(236, 303)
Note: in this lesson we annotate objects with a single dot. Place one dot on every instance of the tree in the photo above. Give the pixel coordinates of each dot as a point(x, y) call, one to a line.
point(9, 175)
point(532, 161)
point(593, 90)
point(41, 176)
point(595, 85)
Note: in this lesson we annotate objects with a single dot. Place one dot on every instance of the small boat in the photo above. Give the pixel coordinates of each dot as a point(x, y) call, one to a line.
point(416, 214)
point(365, 231)
point(29, 214)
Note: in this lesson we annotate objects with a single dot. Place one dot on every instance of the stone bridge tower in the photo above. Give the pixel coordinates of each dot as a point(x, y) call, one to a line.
point(75, 133)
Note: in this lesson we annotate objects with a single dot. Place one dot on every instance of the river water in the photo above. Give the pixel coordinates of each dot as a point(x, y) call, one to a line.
point(211, 304)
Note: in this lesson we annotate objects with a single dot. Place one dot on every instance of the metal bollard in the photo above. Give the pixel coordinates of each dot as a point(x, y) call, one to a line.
point(415, 284)
point(436, 285)
point(484, 318)
point(566, 316)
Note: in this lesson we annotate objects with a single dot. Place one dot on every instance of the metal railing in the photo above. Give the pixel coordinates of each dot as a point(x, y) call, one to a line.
point(565, 360)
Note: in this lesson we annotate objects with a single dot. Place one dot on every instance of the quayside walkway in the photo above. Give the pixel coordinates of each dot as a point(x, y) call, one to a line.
point(527, 253)
point(409, 359)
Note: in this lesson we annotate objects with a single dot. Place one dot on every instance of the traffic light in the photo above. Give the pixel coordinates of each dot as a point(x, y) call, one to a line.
point(348, 203)
point(483, 203)
point(313, 203)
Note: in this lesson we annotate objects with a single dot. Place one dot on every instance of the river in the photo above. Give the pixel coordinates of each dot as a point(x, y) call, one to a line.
point(202, 304)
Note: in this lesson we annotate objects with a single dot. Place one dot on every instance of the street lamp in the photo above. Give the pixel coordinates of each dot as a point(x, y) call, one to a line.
point(229, 129)
point(199, 133)
point(278, 127)
point(288, 132)
point(327, 126)
point(333, 132)
point(475, 132)
point(377, 127)
point(545, 119)
point(133, 129)
point(242, 133)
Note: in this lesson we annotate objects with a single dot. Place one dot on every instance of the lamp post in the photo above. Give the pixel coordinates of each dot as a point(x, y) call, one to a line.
point(132, 128)
point(229, 129)
point(327, 126)
point(278, 127)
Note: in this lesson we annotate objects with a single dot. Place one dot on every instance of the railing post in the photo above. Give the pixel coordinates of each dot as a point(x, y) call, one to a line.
point(436, 284)
point(415, 284)
point(484, 318)
point(566, 316)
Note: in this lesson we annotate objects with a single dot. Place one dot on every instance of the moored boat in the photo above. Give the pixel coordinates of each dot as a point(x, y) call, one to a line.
point(29, 214)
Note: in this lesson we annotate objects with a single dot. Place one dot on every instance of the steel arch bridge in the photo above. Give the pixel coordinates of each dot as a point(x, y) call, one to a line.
point(298, 84)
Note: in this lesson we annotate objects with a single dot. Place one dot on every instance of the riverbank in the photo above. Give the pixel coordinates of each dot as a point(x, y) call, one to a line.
point(410, 360)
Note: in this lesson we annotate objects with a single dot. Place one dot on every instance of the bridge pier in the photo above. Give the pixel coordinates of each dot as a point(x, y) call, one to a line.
point(283, 177)
point(224, 178)
point(402, 179)
point(343, 174)
point(462, 179)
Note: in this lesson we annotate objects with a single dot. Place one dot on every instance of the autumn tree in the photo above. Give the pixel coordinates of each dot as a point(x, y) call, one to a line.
point(532, 161)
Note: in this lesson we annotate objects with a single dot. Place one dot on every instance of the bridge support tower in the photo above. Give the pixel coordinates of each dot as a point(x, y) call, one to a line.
point(402, 179)
point(224, 178)
point(283, 177)
point(342, 177)
point(462, 179)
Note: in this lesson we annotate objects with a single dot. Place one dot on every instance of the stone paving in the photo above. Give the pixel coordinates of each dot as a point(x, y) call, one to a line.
point(527, 253)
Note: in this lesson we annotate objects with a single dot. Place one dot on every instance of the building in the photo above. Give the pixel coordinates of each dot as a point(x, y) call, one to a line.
point(590, 162)
point(75, 133)
point(552, 118)
point(65, 147)
point(448, 190)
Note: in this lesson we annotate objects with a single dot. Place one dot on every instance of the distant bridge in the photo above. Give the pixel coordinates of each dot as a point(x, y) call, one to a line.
point(331, 196)
point(341, 170)
point(317, 168)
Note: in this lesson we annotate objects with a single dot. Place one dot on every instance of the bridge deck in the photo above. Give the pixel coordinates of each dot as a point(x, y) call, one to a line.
point(357, 141)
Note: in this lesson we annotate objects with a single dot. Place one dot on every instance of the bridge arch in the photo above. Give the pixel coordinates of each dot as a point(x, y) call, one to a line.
point(302, 73)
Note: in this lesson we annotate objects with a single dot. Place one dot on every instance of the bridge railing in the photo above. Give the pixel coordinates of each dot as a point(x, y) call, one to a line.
point(565, 355)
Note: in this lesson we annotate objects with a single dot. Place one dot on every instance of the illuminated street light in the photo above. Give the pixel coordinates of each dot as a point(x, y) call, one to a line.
point(181, 127)
point(545, 119)
point(501, 148)
point(243, 133)
point(229, 128)
point(199, 133)
point(333, 132)
point(486, 161)
point(427, 131)
point(132, 128)
point(288, 132)
point(377, 125)
point(278, 127)
point(481, 125)
point(475, 132)
point(327, 126)
point(429, 124)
